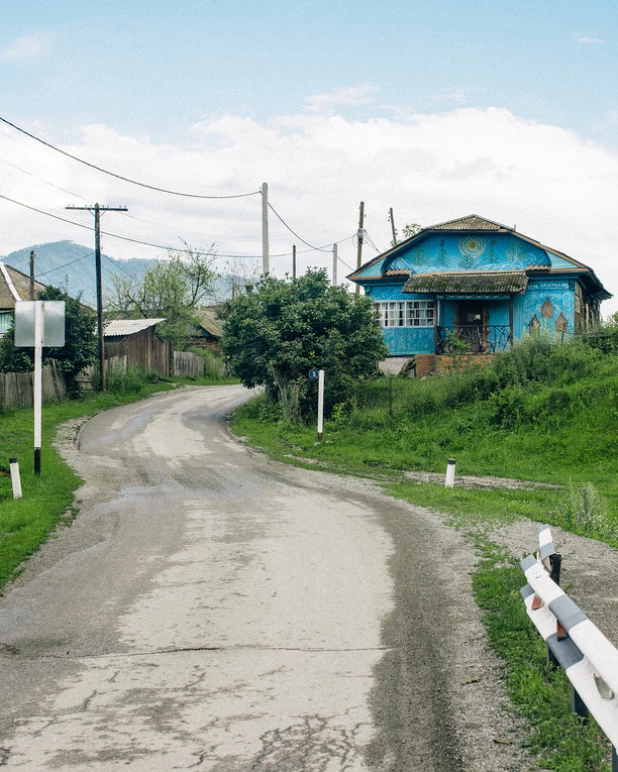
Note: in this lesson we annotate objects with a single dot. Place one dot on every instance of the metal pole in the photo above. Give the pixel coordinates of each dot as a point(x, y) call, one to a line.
point(293, 261)
point(334, 265)
point(614, 760)
point(39, 311)
point(265, 255)
point(320, 403)
point(360, 235)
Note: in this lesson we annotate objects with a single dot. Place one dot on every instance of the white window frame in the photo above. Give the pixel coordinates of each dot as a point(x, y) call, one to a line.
point(406, 313)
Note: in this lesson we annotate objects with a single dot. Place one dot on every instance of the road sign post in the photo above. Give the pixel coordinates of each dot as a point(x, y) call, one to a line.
point(39, 323)
point(320, 403)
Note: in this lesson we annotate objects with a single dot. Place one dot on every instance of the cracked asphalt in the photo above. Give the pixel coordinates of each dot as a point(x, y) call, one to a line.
point(212, 609)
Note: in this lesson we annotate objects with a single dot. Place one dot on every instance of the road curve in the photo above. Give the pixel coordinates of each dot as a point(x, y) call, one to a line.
point(211, 609)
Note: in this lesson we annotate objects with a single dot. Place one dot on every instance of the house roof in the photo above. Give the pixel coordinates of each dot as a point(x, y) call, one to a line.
point(473, 223)
point(14, 286)
point(128, 326)
point(468, 282)
point(209, 320)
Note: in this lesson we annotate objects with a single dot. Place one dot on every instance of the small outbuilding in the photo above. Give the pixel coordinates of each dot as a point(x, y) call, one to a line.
point(14, 286)
point(135, 339)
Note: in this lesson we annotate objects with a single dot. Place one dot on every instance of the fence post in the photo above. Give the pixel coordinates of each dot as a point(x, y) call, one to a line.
point(450, 473)
point(15, 478)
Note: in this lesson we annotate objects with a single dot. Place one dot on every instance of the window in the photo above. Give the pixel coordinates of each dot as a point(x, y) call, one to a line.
point(407, 313)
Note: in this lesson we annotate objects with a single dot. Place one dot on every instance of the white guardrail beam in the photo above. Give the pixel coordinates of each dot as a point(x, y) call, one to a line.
point(573, 641)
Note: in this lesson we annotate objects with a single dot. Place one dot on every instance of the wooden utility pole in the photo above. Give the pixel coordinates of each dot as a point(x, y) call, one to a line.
point(334, 265)
point(32, 274)
point(265, 254)
point(293, 261)
point(391, 217)
point(97, 256)
point(360, 239)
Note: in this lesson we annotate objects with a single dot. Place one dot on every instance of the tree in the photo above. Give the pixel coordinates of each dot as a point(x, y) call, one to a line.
point(408, 230)
point(171, 289)
point(79, 350)
point(276, 331)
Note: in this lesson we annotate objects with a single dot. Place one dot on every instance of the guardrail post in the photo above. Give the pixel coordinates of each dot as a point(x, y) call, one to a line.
point(614, 760)
point(556, 565)
point(15, 478)
point(578, 706)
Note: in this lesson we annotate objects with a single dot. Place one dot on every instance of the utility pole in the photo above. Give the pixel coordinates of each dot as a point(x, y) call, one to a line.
point(392, 219)
point(32, 274)
point(334, 265)
point(293, 261)
point(265, 255)
point(97, 256)
point(360, 239)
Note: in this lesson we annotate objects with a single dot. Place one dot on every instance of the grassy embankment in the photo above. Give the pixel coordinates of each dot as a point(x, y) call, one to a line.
point(48, 500)
point(541, 412)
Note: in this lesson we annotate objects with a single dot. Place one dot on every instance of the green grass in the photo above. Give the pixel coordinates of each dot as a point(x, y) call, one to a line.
point(48, 499)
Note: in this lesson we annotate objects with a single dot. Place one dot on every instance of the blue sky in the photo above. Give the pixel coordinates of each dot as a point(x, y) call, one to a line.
point(152, 67)
point(438, 109)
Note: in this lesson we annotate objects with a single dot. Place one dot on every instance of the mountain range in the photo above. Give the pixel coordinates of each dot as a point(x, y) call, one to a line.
point(71, 267)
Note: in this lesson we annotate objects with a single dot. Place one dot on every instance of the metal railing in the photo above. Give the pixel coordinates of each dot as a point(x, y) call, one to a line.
point(589, 660)
point(480, 338)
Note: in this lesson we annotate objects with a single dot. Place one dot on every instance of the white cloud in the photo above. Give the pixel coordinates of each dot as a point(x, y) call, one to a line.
point(353, 96)
point(457, 95)
point(581, 37)
point(557, 187)
point(26, 48)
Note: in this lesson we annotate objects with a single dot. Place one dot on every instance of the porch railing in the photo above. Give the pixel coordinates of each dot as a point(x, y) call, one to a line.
point(480, 339)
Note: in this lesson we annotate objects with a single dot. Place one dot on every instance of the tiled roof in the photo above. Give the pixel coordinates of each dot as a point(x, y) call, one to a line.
point(468, 282)
point(470, 223)
point(128, 326)
point(19, 283)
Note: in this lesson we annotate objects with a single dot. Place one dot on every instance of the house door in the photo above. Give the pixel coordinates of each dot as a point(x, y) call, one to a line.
point(472, 324)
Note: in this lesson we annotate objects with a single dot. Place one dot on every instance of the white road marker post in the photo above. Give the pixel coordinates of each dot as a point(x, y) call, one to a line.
point(450, 474)
point(39, 311)
point(320, 403)
point(15, 478)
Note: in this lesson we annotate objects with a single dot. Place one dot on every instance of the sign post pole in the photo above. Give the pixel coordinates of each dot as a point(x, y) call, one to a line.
point(320, 403)
point(39, 310)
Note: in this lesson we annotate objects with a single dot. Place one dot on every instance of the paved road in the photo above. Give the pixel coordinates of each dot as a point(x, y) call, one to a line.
point(211, 609)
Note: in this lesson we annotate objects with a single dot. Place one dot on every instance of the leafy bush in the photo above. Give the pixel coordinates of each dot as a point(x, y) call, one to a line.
point(131, 381)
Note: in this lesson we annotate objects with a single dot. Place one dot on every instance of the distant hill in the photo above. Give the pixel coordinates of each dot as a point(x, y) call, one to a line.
point(71, 265)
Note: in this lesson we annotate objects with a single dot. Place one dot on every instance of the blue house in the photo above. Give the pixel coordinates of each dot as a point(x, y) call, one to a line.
point(477, 281)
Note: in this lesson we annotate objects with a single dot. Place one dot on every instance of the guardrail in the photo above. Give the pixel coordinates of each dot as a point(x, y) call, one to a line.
point(573, 641)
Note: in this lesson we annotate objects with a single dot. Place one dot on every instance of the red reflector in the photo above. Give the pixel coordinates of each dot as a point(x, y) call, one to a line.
point(561, 633)
point(536, 603)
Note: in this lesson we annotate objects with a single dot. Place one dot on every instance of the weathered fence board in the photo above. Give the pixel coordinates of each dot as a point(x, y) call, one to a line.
point(17, 390)
point(188, 365)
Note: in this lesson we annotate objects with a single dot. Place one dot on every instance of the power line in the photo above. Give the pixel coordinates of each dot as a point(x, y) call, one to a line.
point(60, 267)
point(119, 176)
point(270, 206)
point(40, 179)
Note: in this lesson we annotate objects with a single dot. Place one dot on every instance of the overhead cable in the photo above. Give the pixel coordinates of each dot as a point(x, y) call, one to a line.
point(120, 176)
point(319, 249)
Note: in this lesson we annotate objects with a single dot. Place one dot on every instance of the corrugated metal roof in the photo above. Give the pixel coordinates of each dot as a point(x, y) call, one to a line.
point(468, 282)
point(470, 223)
point(128, 326)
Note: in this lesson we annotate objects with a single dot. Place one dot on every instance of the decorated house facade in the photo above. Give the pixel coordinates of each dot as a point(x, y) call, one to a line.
point(478, 283)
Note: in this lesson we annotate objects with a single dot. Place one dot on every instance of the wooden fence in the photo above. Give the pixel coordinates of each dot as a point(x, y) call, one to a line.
point(17, 389)
point(189, 365)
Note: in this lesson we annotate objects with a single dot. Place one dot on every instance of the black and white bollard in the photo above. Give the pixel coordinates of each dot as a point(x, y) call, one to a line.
point(15, 478)
point(450, 474)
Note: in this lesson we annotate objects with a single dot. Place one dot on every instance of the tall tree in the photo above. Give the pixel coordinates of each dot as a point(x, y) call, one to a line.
point(171, 289)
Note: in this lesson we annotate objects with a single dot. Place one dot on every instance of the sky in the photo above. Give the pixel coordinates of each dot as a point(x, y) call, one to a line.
point(439, 109)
